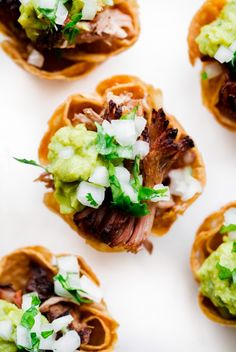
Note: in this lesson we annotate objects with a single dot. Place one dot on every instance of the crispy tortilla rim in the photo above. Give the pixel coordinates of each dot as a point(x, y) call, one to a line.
point(77, 62)
point(75, 104)
point(15, 270)
point(209, 11)
point(207, 240)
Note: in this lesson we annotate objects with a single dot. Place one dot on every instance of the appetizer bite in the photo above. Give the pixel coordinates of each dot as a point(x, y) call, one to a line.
point(52, 303)
point(117, 166)
point(65, 39)
point(213, 263)
point(212, 38)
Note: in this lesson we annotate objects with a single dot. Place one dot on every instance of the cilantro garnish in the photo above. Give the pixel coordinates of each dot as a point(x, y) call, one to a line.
point(49, 14)
point(35, 301)
point(131, 115)
point(229, 228)
point(107, 146)
point(70, 30)
point(29, 162)
point(123, 201)
point(27, 319)
point(204, 76)
point(226, 273)
point(75, 293)
point(91, 200)
point(46, 334)
point(35, 341)
point(232, 64)
point(234, 247)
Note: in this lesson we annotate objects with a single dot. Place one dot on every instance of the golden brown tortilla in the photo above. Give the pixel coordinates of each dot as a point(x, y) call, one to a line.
point(77, 62)
point(207, 240)
point(15, 271)
point(209, 11)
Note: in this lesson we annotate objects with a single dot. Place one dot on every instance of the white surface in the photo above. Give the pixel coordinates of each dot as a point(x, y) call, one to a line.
point(152, 297)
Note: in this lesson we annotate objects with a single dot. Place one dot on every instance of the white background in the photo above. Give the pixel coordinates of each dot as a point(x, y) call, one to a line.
point(152, 297)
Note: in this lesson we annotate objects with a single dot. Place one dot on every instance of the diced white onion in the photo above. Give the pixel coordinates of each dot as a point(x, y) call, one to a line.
point(213, 70)
point(125, 152)
point(89, 10)
point(37, 324)
point(70, 342)
point(122, 174)
point(108, 129)
point(66, 152)
point(47, 4)
point(223, 54)
point(68, 264)
point(230, 217)
point(97, 192)
point(60, 291)
point(6, 329)
point(141, 148)
point(73, 281)
point(183, 184)
point(26, 301)
point(61, 323)
point(36, 59)
point(129, 191)
point(140, 124)
point(23, 337)
point(93, 291)
point(233, 47)
point(164, 198)
point(24, 2)
point(61, 14)
point(46, 344)
point(108, 2)
point(100, 176)
point(124, 132)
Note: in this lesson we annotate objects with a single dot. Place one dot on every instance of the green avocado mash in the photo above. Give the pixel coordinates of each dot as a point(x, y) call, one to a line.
point(69, 170)
point(220, 32)
point(222, 292)
point(9, 311)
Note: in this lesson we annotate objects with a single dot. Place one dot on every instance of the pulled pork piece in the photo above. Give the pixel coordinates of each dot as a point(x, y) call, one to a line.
point(7, 293)
point(55, 308)
point(40, 282)
point(88, 117)
point(227, 100)
point(110, 224)
point(164, 148)
point(46, 178)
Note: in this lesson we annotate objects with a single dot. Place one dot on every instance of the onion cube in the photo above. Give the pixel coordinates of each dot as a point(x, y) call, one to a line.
point(140, 124)
point(90, 195)
point(61, 323)
point(100, 176)
point(124, 132)
point(69, 342)
point(92, 291)
point(223, 54)
point(89, 10)
point(141, 148)
point(36, 59)
point(68, 264)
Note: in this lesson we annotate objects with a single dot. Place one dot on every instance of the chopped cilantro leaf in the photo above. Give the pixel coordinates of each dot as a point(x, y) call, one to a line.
point(75, 293)
point(229, 228)
point(121, 200)
point(146, 193)
point(27, 319)
point(70, 30)
point(35, 301)
point(49, 14)
point(29, 162)
point(204, 76)
point(91, 200)
point(46, 334)
point(234, 247)
point(35, 341)
point(131, 115)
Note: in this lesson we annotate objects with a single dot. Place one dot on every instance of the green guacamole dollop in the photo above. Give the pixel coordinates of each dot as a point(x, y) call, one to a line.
point(70, 171)
point(220, 32)
point(222, 293)
point(10, 312)
point(35, 23)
